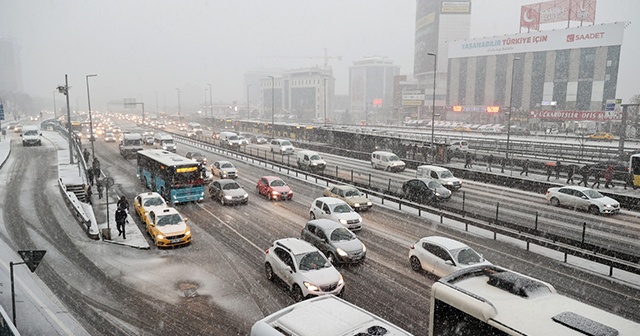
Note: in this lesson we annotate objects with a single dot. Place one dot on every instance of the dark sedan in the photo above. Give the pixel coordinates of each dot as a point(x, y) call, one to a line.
point(425, 190)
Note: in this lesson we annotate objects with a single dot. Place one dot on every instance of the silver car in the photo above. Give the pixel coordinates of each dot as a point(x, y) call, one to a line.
point(334, 240)
point(582, 198)
point(224, 169)
point(441, 256)
point(337, 210)
point(228, 192)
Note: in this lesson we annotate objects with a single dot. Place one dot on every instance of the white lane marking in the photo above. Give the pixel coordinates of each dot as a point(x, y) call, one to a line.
point(230, 228)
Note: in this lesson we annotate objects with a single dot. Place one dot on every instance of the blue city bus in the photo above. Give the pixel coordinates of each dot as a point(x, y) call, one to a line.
point(175, 177)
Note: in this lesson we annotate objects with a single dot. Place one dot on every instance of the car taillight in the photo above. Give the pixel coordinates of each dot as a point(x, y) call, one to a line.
point(266, 251)
point(412, 247)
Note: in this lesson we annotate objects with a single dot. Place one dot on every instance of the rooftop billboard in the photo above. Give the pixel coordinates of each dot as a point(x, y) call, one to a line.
point(609, 34)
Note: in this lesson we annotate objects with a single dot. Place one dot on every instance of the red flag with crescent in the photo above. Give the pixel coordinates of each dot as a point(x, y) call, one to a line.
point(530, 17)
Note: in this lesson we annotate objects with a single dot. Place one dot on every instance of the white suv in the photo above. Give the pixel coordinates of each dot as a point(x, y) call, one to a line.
point(303, 268)
point(336, 210)
point(281, 146)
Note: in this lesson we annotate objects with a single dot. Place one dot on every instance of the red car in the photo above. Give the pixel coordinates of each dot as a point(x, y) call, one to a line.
point(274, 187)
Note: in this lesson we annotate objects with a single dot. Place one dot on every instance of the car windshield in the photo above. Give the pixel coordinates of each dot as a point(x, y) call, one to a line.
point(313, 261)
point(316, 157)
point(231, 186)
point(394, 158)
point(342, 208)
point(285, 143)
point(434, 185)
point(277, 183)
point(171, 219)
point(31, 132)
point(466, 256)
point(446, 174)
point(592, 193)
point(340, 234)
point(227, 165)
point(233, 137)
point(352, 193)
point(153, 201)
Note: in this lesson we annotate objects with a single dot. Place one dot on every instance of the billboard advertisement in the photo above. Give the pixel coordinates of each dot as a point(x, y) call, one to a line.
point(610, 34)
point(426, 36)
point(455, 7)
point(532, 15)
point(572, 115)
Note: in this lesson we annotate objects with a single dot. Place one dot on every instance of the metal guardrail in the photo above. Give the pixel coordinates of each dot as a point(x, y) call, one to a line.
point(567, 246)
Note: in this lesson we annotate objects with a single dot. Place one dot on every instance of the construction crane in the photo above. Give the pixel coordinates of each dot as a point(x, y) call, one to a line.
point(326, 57)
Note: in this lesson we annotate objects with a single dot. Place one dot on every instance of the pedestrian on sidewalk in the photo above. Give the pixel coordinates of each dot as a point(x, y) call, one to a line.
point(525, 167)
point(608, 177)
point(96, 163)
point(558, 168)
point(584, 171)
point(86, 155)
point(489, 162)
point(123, 203)
point(597, 174)
point(121, 218)
point(97, 173)
point(467, 160)
point(570, 172)
point(90, 175)
point(629, 181)
point(99, 186)
point(88, 193)
point(549, 171)
point(503, 163)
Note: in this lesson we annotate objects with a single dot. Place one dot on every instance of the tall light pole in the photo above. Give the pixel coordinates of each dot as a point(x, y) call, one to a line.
point(248, 103)
point(210, 99)
point(206, 109)
point(325, 101)
point(433, 105)
point(157, 113)
point(179, 111)
point(55, 109)
point(65, 91)
point(513, 65)
point(273, 106)
point(91, 139)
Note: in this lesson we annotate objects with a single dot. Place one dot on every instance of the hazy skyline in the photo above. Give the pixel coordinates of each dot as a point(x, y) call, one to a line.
point(141, 47)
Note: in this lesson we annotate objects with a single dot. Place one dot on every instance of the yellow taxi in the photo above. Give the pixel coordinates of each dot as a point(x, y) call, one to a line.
point(145, 202)
point(462, 129)
point(602, 136)
point(167, 227)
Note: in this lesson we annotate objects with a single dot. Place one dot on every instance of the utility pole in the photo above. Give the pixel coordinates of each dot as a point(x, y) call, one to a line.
point(65, 90)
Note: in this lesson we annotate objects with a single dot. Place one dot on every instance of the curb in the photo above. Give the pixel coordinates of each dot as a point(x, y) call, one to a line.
point(125, 244)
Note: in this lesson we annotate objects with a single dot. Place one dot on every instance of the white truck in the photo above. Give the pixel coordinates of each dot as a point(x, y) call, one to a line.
point(130, 144)
point(164, 141)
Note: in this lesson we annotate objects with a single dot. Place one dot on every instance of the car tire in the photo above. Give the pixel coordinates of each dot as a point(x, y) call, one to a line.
point(415, 263)
point(312, 215)
point(554, 201)
point(296, 293)
point(594, 210)
point(268, 271)
point(269, 196)
point(258, 191)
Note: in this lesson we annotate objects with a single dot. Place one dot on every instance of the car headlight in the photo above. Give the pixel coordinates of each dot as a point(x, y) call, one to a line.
point(314, 164)
point(245, 195)
point(160, 237)
point(356, 205)
point(342, 252)
point(369, 203)
point(188, 233)
point(310, 286)
point(228, 197)
point(608, 205)
point(290, 192)
point(364, 248)
point(341, 281)
point(449, 183)
point(274, 193)
point(438, 194)
point(343, 221)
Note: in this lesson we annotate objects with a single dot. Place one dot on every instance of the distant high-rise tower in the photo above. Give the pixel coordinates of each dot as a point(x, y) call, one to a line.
point(438, 21)
point(10, 73)
point(371, 83)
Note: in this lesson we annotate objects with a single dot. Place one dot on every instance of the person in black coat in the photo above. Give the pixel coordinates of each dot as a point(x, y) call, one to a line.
point(570, 172)
point(557, 169)
point(123, 203)
point(525, 167)
point(121, 219)
point(489, 162)
point(585, 171)
point(597, 174)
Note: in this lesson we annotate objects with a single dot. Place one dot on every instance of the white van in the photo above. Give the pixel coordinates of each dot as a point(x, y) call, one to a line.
point(459, 145)
point(31, 136)
point(386, 161)
point(230, 139)
point(130, 144)
point(324, 315)
point(164, 141)
point(281, 146)
point(310, 160)
point(440, 174)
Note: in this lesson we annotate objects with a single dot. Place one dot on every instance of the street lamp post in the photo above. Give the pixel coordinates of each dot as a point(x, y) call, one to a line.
point(248, 103)
point(273, 104)
point(206, 109)
point(210, 99)
point(65, 91)
point(157, 112)
point(55, 109)
point(325, 102)
point(433, 105)
point(91, 139)
point(513, 65)
point(179, 111)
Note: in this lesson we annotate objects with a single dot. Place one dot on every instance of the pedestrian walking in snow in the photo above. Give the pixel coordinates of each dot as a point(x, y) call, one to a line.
point(121, 218)
point(489, 162)
point(608, 177)
point(525, 167)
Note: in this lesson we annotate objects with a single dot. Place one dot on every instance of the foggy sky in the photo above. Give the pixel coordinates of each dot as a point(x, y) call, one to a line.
point(140, 47)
